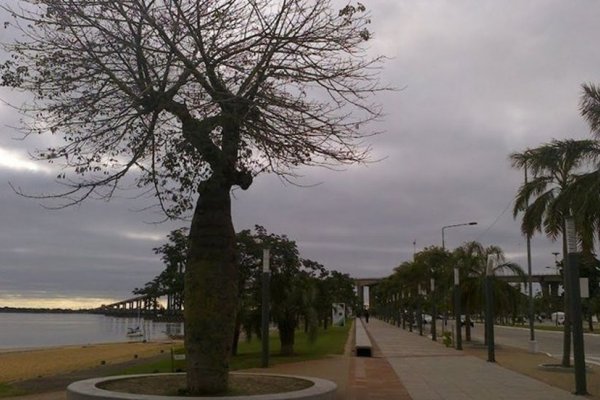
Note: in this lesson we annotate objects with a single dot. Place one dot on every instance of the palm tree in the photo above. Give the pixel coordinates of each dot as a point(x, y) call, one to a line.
point(554, 167)
point(590, 106)
point(408, 277)
point(583, 192)
point(434, 262)
point(472, 258)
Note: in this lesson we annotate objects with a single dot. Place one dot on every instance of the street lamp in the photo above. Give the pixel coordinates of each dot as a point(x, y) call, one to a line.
point(266, 280)
point(453, 226)
point(572, 273)
point(492, 263)
point(456, 287)
point(530, 311)
point(433, 311)
point(419, 311)
point(457, 308)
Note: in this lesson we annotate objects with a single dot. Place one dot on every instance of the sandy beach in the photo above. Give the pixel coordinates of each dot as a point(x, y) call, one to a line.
point(27, 364)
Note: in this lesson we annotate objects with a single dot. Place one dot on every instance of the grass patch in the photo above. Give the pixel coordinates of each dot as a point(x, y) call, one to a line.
point(330, 341)
point(7, 390)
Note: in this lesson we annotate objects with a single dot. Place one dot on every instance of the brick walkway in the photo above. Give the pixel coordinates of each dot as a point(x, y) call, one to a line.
point(374, 379)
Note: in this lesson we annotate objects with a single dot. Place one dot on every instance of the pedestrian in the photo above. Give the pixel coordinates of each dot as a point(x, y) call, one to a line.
point(366, 315)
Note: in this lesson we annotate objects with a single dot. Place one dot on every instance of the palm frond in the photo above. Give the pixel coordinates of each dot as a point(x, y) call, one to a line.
point(554, 219)
point(589, 105)
point(535, 187)
point(535, 214)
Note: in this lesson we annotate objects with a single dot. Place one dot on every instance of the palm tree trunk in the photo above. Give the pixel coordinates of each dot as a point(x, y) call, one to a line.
point(211, 279)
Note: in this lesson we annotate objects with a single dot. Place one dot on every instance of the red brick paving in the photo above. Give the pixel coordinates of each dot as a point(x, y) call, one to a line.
point(374, 379)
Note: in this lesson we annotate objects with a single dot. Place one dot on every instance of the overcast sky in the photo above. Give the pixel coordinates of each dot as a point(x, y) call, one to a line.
point(480, 79)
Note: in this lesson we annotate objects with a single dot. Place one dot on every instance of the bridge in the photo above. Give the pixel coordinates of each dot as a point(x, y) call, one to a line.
point(146, 305)
point(548, 282)
point(361, 283)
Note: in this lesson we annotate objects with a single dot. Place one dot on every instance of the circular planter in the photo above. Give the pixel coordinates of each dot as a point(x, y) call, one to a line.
point(88, 389)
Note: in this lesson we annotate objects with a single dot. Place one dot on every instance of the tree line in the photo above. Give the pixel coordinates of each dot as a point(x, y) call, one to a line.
point(301, 291)
point(427, 281)
point(564, 182)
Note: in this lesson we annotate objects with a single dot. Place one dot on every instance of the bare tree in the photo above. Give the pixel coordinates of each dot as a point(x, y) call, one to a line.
point(192, 98)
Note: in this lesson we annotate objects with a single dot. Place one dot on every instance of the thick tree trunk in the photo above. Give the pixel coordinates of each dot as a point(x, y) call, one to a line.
point(287, 331)
point(211, 291)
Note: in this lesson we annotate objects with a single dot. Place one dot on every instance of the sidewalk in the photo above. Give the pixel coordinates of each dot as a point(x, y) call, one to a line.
point(357, 378)
point(430, 371)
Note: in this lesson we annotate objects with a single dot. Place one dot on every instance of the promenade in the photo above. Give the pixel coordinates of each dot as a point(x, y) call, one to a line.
point(424, 370)
point(405, 366)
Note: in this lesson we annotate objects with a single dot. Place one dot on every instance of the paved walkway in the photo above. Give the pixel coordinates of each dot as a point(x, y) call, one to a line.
point(407, 366)
point(430, 371)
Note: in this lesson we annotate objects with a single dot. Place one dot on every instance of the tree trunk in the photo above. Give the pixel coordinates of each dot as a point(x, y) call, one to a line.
point(287, 331)
point(211, 279)
point(236, 334)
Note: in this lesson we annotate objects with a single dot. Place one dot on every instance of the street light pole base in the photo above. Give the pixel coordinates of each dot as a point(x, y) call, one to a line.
point(533, 346)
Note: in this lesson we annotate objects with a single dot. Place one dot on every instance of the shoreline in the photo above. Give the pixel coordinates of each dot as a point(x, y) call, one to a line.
point(24, 364)
point(4, 350)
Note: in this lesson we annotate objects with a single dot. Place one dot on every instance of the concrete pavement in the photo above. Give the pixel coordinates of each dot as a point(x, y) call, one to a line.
point(430, 371)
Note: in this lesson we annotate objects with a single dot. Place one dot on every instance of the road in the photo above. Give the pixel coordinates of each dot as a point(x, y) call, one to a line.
point(549, 342)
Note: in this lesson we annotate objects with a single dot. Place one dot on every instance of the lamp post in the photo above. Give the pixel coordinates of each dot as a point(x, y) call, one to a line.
point(419, 311)
point(532, 341)
point(266, 280)
point(492, 263)
point(572, 271)
point(397, 314)
point(456, 287)
point(403, 302)
point(411, 312)
point(457, 309)
point(453, 226)
point(433, 311)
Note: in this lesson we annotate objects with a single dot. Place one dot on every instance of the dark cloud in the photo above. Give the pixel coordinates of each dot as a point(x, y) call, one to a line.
point(478, 80)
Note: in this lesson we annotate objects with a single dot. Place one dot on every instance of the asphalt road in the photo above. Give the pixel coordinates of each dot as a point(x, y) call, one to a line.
point(549, 342)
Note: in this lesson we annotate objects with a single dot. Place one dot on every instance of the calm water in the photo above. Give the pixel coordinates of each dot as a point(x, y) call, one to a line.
point(47, 330)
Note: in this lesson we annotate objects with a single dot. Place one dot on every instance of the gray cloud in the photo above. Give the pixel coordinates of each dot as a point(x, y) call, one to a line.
point(479, 79)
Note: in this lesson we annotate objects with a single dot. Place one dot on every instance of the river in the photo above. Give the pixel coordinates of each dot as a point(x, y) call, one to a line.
point(31, 330)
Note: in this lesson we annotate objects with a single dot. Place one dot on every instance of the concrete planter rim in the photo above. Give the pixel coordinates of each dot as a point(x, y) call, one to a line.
point(87, 390)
